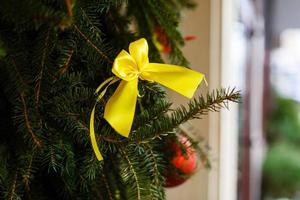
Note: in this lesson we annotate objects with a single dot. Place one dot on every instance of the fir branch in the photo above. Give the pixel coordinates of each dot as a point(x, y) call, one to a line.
point(40, 76)
point(155, 167)
point(69, 4)
point(133, 172)
point(52, 161)
point(197, 107)
point(156, 187)
point(106, 5)
point(26, 177)
point(92, 44)
point(68, 190)
point(67, 63)
point(213, 101)
point(27, 122)
point(153, 157)
point(114, 139)
point(148, 116)
point(91, 167)
point(86, 129)
point(12, 193)
point(107, 186)
point(67, 49)
point(95, 30)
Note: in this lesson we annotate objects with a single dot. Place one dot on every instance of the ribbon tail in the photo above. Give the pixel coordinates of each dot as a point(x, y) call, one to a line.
point(93, 136)
point(104, 83)
point(105, 89)
point(120, 108)
point(107, 82)
point(179, 79)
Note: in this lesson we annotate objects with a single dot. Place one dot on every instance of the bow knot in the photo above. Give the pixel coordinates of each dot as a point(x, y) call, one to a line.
point(131, 66)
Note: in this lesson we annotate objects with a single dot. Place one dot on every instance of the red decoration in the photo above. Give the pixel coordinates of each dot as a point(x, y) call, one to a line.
point(173, 180)
point(161, 40)
point(185, 163)
point(190, 37)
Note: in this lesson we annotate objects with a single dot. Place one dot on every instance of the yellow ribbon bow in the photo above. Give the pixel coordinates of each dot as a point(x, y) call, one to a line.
point(120, 108)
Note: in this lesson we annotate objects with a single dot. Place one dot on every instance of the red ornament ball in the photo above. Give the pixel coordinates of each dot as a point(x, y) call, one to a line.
point(184, 162)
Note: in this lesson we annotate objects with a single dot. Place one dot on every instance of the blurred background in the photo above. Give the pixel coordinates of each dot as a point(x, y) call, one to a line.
point(253, 45)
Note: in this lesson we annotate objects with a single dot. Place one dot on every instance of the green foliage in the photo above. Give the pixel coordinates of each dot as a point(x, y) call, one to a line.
point(282, 170)
point(53, 54)
point(282, 164)
point(283, 123)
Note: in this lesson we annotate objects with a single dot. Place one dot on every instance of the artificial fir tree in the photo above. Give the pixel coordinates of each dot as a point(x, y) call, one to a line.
point(53, 55)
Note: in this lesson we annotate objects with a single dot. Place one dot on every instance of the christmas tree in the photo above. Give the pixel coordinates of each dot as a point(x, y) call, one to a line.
point(53, 56)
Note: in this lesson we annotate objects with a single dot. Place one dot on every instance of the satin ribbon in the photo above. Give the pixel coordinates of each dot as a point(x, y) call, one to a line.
point(129, 67)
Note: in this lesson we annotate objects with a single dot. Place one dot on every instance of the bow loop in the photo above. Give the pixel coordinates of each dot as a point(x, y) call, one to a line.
point(139, 51)
point(125, 67)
